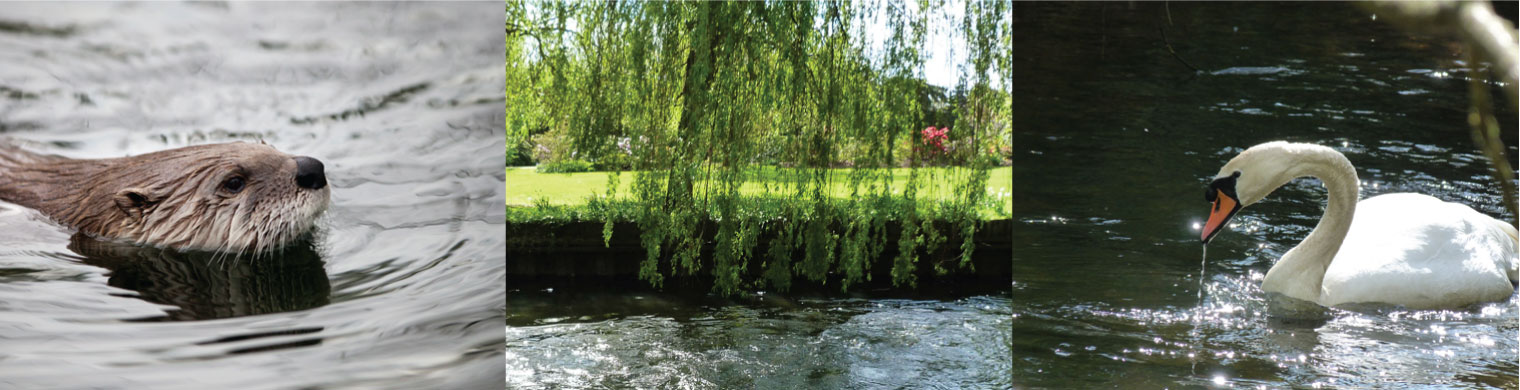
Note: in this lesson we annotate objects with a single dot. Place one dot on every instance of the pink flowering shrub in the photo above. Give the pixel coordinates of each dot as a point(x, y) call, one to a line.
point(933, 145)
point(936, 137)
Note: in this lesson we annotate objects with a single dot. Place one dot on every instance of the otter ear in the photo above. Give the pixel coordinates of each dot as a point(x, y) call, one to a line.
point(134, 200)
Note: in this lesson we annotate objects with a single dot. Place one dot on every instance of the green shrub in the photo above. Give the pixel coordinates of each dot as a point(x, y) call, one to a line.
point(519, 152)
point(550, 146)
point(614, 161)
point(565, 166)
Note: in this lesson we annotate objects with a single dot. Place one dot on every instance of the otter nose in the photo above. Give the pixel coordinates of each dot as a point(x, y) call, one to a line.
point(309, 173)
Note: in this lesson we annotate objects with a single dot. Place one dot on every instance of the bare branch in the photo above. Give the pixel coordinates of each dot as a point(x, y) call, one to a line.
point(1487, 37)
point(1174, 52)
point(1474, 22)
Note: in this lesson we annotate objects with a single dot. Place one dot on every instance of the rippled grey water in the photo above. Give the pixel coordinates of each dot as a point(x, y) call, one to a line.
point(402, 288)
point(580, 339)
point(1117, 141)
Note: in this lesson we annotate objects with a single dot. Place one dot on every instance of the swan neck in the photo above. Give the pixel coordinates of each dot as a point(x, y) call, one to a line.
point(1342, 185)
point(1301, 272)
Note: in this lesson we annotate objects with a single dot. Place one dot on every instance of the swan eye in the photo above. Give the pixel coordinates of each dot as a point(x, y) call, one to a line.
point(1223, 184)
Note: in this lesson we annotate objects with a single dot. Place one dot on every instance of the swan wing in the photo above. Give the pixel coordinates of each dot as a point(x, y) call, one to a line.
point(1420, 252)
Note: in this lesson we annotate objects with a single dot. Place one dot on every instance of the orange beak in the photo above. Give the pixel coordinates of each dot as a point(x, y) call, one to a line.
point(1224, 208)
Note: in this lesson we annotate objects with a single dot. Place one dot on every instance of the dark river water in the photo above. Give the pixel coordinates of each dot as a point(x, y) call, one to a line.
point(582, 337)
point(1116, 140)
point(402, 286)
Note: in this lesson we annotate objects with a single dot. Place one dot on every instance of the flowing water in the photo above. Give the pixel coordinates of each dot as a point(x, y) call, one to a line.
point(402, 286)
point(625, 337)
point(1117, 139)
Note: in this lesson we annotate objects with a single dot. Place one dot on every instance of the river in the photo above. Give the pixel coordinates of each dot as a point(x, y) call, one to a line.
point(402, 286)
point(1116, 140)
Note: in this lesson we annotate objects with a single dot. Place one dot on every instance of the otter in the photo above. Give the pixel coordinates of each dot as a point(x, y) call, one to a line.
point(231, 197)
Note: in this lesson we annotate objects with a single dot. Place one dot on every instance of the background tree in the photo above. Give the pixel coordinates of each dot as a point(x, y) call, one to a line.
point(700, 98)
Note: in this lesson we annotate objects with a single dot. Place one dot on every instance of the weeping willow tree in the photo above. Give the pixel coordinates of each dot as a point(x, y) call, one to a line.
point(712, 97)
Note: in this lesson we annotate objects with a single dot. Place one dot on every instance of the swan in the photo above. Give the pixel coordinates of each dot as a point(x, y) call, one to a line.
point(1405, 249)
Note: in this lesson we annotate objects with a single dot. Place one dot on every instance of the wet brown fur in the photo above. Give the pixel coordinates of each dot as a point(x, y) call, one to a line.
point(172, 198)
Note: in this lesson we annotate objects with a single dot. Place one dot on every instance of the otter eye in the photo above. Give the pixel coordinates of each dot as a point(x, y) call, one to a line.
point(233, 184)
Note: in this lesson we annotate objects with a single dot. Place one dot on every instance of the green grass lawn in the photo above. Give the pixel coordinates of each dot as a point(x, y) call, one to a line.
point(526, 187)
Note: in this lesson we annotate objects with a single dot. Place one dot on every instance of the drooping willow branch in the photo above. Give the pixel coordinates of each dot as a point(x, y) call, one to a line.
point(705, 99)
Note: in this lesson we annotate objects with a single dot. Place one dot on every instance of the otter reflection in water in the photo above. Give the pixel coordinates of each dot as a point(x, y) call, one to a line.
point(207, 285)
point(232, 197)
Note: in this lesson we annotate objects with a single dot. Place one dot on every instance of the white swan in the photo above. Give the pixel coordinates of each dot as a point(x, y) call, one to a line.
point(1403, 249)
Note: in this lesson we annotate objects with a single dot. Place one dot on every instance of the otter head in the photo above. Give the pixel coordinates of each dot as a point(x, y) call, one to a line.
point(232, 197)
